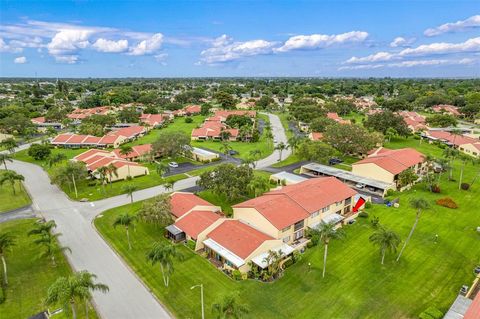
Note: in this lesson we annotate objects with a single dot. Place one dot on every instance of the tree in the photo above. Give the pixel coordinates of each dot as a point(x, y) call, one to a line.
point(441, 120)
point(157, 211)
point(7, 241)
point(50, 245)
point(273, 261)
point(39, 151)
point(86, 280)
point(10, 144)
point(319, 124)
point(112, 171)
point(280, 147)
point(4, 158)
point(225, 99)
point(255, 155)
point(419, 204)
point(54, 159)
point(327, 232)
point(67, 290)
point(450, 154)
point(69, 174)
point(128, 115)
point(12, 178)
point(382, 121)
point(351, 139)
point(162, 169)
point(126, 220)
point(171, 144)
point(225, 148)
point(391, 133)
point(259, 185)
point(227, 179)
point(164, 253)
point(406, 178)
point(102, 173)
point(229, 307)
point(386, 239)
point(169, 185)
point(464, 159)
point(125, 150)
point(315, 151)
point(129, 189)
point(293, 142)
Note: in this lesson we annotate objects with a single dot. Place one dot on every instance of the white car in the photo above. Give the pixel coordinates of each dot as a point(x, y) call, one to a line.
point(360, 185)
point(173, 164)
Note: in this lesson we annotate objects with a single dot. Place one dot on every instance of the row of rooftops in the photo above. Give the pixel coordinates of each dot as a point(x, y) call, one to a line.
point(94, 159)
point(214, 126)
point(106, 140)
point(393, 161)
point(453, 139)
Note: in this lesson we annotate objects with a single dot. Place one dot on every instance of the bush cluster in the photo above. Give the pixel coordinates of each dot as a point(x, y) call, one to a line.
point(363, 214)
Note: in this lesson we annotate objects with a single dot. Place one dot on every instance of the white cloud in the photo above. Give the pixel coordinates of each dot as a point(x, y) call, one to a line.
point(401, 42)
point(69, 59)
point(412, 63)
point(66, 43)
point(4, 47)
point(469, 46)
point(161, 58)
point(148, 46)
point(104, 45)
point(461, 25)
point(224, 49)
point(20, 60)
point(319, 41)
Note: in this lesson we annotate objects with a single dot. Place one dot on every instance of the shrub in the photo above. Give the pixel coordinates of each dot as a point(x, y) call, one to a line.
point(288, 263)
point(236, 274)
point(188, 120)
point(2, 294)
point(390, 192)
point(375, 221)
point(191, 244)
point(39, 151)
point(363, 214)
point(447, 202)
point(368, 205)
point(431, 313)
point(436, 189)
point(465, 186)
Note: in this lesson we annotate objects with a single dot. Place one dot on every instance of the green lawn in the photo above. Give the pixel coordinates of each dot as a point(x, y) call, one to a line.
point(29, 276)
point(9, 201)
point(356, 285)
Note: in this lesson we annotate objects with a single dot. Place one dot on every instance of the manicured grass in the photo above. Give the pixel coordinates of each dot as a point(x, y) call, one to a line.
point(355, 116)
point(9, 201)
point(284, 119)
point(292, 159)
point(356, 284)
point(29, 276)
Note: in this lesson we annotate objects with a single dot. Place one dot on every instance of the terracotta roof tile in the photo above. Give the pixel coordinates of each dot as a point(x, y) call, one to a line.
point(196, 221)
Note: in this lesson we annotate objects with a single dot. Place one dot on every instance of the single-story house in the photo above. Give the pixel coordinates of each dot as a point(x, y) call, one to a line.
point(42, 124)
point(334, 116)
point(415, 121)
point(213, 130)
point(182, 203)
point(287, 212)
point(315, 136)
point(138, 153)
point(286, 178)
point(465, 144)
point(385, 165)
point(80, 114)
point(445, 108)
point(154, 120)
point(201, 155)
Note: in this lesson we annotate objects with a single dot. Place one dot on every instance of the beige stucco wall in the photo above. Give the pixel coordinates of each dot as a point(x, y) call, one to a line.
point(254, 218)
point(135, 171)
point(203, 235)
point(263, 248)
point(204, 158)
point(373, 171)
point(470, 150)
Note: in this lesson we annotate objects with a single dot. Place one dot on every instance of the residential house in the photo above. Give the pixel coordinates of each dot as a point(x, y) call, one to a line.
point(42, 124)
point(445, 108)
point(138, 153)
point(287, 212)
point(201, 155)
point(467, 145)
point(385, 165)
point(415, 121)
point(79, 114)
point(212, 129)
point(154, 120)
point(315, 136)
point(334, 116)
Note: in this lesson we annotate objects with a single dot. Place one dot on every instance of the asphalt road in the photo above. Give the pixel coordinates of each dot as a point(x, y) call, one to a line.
point(128, 297)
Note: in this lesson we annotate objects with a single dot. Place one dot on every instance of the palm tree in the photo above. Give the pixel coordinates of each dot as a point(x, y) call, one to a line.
point(464, 159)
point(327, 232)
point(41, 226)
point(455, 132)
point(4, 158)
point(7, 241)
point(125, 150)
point(293, 142)
point(255, 154)
point(103, 173)
point(259, 185)
point(281, 147)
point(126, 220)
point(164, 253)
point(9, 144)
point(87, 282)
point(129, 189)
point(419, 204)
point(67, 290)
point(162, 169)
point(226, 148)
point(391, 133)
point(229, 307)
point(386, 240)
point(450, 154)
point(51, 246)
point(169, 185)
point(11, 177)
point(112, 170)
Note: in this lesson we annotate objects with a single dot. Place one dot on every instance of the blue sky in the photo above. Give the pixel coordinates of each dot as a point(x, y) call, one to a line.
point(240, 38)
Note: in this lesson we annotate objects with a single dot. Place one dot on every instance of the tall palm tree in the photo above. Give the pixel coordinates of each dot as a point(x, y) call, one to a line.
point(281, 147)
point(162, 169)
point(327, 232)
point(391, 133)
point(126, 220)
point(103, 174)
point(12, 178)
point(4, 158)
point(51, 247)
point(41, 226)
point(9, 144)
point(169, 185)
point(255, 154)
point(7, 241)
point(450, 154)
point(112, 170)
point(293, 142)
point(386, 240)
point(259, 185)
point(67, 290)
point(464, 159)
point(86, 280)
point(419, 204)
point(226, 148)
point(229, 307)
point(125, 150)
point(129, 189)
point(164, 254)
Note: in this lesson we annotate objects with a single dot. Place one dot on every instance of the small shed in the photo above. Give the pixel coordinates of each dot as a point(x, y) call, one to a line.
point(201, 155)
point(287, 178)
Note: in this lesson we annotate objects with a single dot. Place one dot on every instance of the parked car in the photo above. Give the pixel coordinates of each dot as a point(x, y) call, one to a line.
point(334, 161)
point(173, 164)
point(232, 152)
point(360, 185)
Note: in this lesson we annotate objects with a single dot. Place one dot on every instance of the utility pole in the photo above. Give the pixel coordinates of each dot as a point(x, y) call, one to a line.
point(201, 298)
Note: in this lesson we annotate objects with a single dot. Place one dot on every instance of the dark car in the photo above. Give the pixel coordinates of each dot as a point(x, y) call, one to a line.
point(232, 152)
point(334, 161)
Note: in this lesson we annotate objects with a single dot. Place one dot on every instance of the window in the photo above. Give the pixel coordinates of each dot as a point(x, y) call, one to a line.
point(315, 214)
point(286, 229)
point(325, 209)
point(298, 225)
point(286, 239)
point(338, 203)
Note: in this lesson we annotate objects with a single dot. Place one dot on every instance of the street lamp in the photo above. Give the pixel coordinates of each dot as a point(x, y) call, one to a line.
point(201, 294)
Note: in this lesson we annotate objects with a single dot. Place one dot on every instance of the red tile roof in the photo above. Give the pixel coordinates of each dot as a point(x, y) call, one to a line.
point(137, 151)
point(238, 237)
point(446, 108)
point(184, 202)
point(85, 155)
point(454, 139)
point(227, 113)
point(192, 109)
point(394, 161)
point(38, 119)
point(152, 119)
point(129, 132)
point(196, 222)
point(296, 202)
point(316, 136)
point(62, 138)
point(473, 311)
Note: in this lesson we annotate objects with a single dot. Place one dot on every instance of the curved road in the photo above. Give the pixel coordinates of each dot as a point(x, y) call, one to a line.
point(128, 297)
